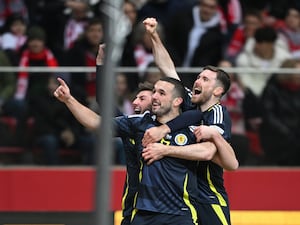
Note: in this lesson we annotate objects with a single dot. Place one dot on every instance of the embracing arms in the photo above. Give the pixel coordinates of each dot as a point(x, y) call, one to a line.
point(213, 147)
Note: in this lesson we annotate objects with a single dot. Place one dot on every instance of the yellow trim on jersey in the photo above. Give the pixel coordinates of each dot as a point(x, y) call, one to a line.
point(218, 210)
point(134, 211)
point(165, 142)
point(132, 141)
point(214, 190)
point(187, 201)
point(126, 193)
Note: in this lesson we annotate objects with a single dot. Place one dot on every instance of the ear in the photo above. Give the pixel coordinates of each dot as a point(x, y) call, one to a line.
point(218, 91)
point(177, 101)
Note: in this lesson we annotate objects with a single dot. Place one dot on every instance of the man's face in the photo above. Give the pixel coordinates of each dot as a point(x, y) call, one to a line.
point(204, 86)
point(94, 34)
point(162, 98)
point(251, 24)
point(130, 11)
point(208, 8)
point(142, 102)
point(292, 19)
point(263, 49)
point(36, 45)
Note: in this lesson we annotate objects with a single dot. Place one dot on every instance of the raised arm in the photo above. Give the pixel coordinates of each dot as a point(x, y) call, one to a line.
point(83, 114)
point(161, 55)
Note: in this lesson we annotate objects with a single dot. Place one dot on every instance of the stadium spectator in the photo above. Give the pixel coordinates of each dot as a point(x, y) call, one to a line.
point(7, 83)
point(262, 51)
point(36, 53)
point(7, 8)
point(231, 18)
point(127, 58)
point(14, 37)
point(233, 100)
point(193, 32)
point(124, 104)
point(252, 20)
point(279, 130)
point(53, 15)
point(75, 24)
point(123, 95)
point(8, 124)
point(163, 10)
point(55, 128)
point(152, 74)
point(50, 16)
point(83, 53)
point(290, 31)
point(271, 9)
point(31, 84)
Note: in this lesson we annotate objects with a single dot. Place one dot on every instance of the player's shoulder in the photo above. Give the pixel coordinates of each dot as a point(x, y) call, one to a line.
point(217, 108)
point(140, 115)
point(147, 115)
point(187, 103)
point(217, 113)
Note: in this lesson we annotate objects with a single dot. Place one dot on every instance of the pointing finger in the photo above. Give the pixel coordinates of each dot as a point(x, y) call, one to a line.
point(62, 82)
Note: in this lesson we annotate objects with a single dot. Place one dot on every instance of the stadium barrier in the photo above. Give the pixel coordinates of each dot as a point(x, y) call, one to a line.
point(258, 196)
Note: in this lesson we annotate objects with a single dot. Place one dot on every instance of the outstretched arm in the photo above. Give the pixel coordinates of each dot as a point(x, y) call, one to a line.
point(83, 114)
point(225, 156)
point(161, 55)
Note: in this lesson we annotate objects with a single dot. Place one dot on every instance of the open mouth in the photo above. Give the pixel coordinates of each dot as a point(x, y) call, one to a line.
point(137, 111)
point(197, 92)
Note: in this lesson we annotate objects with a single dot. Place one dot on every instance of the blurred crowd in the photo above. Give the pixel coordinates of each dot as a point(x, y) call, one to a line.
point(264, 107)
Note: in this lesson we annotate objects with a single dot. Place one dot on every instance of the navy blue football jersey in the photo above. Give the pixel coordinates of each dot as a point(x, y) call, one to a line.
point(132, 176)
point(210, 175)
point(168, 185)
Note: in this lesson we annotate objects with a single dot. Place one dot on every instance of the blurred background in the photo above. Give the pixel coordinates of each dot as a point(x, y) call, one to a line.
point(257, 42)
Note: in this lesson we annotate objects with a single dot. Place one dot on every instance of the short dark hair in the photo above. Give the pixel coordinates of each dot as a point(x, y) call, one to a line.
point(145, 86)
point(179, 90)
point(265, 34)
point(36, 33)
point(222, 76)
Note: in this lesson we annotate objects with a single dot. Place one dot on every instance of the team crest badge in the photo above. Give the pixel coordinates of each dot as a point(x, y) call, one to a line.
point(181, 139)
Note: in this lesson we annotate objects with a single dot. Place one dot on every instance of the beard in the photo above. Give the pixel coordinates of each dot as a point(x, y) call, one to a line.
point(200, 99)
point(161, 111)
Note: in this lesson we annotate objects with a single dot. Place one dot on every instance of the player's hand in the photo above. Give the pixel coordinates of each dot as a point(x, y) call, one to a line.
point(100, 55)
point(204, 132)
point(154, 134)
point(150, 25)
point(62, 93)
point(153, 152)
